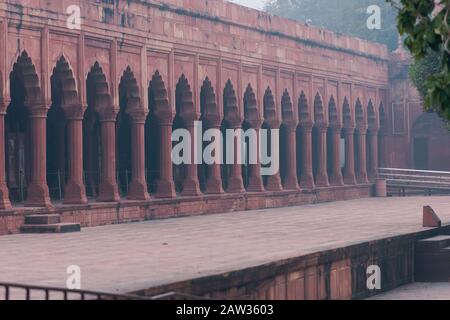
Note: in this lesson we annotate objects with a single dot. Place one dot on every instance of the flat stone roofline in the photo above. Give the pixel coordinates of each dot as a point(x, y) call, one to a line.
point(218, 11)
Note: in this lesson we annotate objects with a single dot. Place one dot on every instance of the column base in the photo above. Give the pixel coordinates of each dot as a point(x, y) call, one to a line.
point(38, 197)
point(336, 180)
point(274, 183)
point(191, 188)
point(214, 186)
point(322, 180)
point(307, 182)
point(75, 194)
point(255, 184)
point(235, 185)
point(5, 203)
point(108, 192)
point(138, 191)
point(165, 189)
point(362, 179)
point(349, 179)
point(291, 183)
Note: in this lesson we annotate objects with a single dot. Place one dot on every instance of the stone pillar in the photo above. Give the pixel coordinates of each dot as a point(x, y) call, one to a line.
point(361, 175)
point(349, 170)
point(138, 186)
point(4, 192)
point(255, 183)
point(235, 183)
point(214, 179)
point(307, 177)
point(291, 181)
point(373, 138)
point(322, 174)
point(108, 190)
point(37, 191)
point(75, 190)
point(191, 185)
point(274, 181)
point(382, 149)
point(336, 178)
point(165, 187)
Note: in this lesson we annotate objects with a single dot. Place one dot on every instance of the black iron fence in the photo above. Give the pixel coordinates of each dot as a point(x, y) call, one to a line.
point(9, 291)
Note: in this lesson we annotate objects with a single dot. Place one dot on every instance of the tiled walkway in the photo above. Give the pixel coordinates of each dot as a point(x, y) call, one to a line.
point(123, 258)
point(418, 291)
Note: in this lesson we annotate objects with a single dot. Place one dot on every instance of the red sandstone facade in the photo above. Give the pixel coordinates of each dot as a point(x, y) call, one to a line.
point(88, 114)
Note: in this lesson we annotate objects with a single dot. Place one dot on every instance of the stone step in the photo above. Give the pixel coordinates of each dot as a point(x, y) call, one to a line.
point(433, 244)
point(42, 219)
point(51, 228)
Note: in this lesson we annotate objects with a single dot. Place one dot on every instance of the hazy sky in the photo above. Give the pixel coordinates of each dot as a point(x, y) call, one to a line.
point(256, 4)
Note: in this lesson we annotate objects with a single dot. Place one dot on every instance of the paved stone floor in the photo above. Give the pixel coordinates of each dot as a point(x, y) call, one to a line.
point(123, 258)
point(418, 291)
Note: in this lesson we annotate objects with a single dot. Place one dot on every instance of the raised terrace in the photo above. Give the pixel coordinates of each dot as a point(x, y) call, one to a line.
point(86, 114)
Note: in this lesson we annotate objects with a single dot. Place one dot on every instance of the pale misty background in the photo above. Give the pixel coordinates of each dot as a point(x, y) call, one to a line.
point(256, 4)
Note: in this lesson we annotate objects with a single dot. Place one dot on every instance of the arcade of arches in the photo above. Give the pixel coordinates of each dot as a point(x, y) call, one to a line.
point(63, 151)
point(86, 116)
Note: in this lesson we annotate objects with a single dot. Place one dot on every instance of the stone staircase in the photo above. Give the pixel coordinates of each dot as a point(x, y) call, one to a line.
point(48, 223)
point(433, 259)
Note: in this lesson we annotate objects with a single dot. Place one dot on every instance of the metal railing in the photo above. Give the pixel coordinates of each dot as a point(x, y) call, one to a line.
point(10, 291)
point(426, 180)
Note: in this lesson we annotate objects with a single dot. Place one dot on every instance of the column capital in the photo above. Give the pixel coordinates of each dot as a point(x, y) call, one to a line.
point(74, 112)
point(255, 123)
point(108, 115)
point(321, 126)
point(274, 124)
point(137, 115)
point(291, 124)
point(361, 130)
point(4, 105)
point(306, 125)
point(349, 130)
point(336, 127)
point(373, 130)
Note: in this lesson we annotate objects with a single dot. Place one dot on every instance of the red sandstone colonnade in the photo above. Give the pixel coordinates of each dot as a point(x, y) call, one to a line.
point(87, 114)
point(103, 152)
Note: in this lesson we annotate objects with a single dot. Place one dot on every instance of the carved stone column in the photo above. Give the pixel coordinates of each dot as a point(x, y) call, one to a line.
point(361, 175)
point(336, 178)
point(4, 192)
point(191, 185)
point(307, 177)
point(37, 191)
point(75, 190)
point(214, 179)
point(291, 181)
point(138, 186)
point(108, 189)
point(274, 181)
point(235, 183)
point(373, 147)
point(322, 174)
point(165, 187)
point(349, 170)
point(255, 183)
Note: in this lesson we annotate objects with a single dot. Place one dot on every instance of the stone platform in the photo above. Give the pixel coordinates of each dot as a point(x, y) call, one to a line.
point(312, 251)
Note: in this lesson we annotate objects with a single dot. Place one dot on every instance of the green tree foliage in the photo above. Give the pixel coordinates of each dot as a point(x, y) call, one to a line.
point(427, 35)
point(342, 16)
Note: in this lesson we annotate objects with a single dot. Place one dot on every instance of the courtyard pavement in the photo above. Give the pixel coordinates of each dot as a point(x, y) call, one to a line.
point(129, 257)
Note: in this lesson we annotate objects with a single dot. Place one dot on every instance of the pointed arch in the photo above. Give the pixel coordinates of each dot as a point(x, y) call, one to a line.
point(184, 98)
point(99, 102)
point(24, 92)
point(371, 116)
point(359, 113)
point(303, 108)
point(24, 72)
point(333, 116)
point(382, 117)
point(287, 110)
point(159, 110)
point(231, 120)
point(318, 109)
point(208, 104)
point(347, 114)
point(250, 105)
point(129, 91)
point(270, 111)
